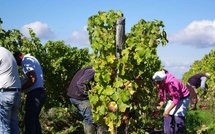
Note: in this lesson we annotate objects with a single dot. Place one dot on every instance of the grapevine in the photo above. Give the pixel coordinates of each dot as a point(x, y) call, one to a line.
point(130, 89)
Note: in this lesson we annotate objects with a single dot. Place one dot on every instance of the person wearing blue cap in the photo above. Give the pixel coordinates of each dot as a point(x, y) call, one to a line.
point(178, 97)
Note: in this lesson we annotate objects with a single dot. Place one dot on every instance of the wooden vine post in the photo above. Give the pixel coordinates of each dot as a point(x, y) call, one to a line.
point(120, 40)
point(120, 36)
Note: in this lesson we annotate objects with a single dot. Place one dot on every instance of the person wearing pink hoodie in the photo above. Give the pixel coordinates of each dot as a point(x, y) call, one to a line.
point(176, 96)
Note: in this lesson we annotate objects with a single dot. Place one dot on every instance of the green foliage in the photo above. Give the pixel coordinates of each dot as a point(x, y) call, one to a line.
point(192, 119)
point(10, 39)
point(63, 62)
point(125, 81)
point(206, 64)
point(200, 122)
point(59, 120)
point(59, 63)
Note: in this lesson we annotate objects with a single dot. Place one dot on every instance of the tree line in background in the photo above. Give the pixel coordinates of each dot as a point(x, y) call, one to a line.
point(125, 81)
point(58, 60)
point(202, 121)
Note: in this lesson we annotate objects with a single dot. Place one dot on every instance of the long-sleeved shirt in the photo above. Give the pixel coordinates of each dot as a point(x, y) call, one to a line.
point(80, 83)
point(173, 88)
point(198, 80)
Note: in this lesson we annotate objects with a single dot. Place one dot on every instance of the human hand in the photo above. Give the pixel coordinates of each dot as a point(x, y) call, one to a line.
point(165, 114)
point(158, 107)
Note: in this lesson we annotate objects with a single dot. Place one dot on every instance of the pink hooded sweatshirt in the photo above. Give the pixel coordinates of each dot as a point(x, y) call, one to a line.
point(173, 88)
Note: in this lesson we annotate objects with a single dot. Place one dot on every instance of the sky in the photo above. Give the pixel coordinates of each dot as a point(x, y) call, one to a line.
point(190, 24)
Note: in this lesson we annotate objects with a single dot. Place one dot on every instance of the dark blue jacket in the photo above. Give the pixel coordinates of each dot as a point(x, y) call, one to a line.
point(80, 83)
point(195, 80)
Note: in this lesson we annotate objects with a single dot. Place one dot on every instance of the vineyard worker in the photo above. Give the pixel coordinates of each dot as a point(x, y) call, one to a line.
point(10, 95)
point(78, 93)
point(193, 83)
point(177, 103)
point(33, 87)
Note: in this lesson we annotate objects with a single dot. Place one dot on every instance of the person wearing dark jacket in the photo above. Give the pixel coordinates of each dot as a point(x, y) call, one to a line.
point(193, 83)
point(78, 93)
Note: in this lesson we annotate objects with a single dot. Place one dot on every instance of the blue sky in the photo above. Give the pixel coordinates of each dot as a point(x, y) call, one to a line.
point(190, 24)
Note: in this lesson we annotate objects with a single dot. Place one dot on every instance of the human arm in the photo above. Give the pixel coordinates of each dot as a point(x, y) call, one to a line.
point(203, 83)
point(31, 79)
point(162, 95)
point(174, 89)
point(160, 104)
point(28, 68)
point(166, 113)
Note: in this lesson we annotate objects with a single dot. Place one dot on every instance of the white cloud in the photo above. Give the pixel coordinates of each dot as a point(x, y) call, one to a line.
point(198, 34)
point(177, 69)
point(42, 30)
point(79, 38)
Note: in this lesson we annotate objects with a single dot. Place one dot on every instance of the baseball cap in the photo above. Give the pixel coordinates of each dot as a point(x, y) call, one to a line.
point(207, 74)
point(159, 76)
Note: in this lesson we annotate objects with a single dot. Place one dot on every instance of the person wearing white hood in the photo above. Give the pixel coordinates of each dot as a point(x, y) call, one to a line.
point(178, 97)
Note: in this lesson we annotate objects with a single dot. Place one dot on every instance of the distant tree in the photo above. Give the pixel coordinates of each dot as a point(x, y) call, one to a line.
point(206, 64)
point(63, 63)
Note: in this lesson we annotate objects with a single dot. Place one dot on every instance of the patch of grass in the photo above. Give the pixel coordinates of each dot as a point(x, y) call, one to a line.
point(200, 121)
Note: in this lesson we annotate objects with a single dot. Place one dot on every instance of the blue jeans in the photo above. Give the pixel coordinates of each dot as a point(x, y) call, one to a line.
point(83, 107)
point(175, 122)
point(9, 110)
point(174, 125)
point(33, 105)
